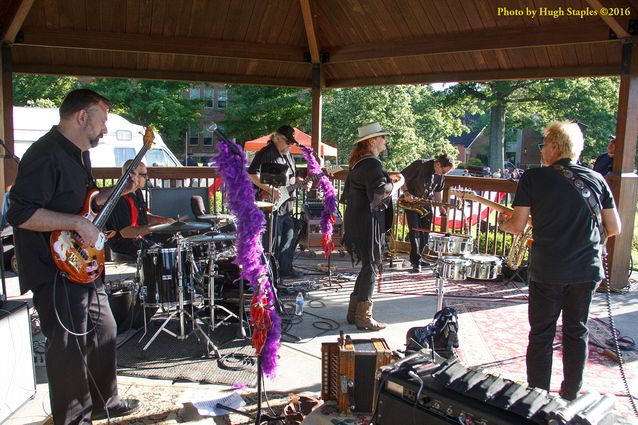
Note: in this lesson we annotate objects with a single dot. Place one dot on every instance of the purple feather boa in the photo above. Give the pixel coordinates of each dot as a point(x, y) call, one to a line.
point(250, 224)
point(329, 200)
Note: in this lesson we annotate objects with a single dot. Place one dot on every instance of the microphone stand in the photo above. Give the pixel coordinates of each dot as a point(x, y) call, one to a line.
point(258, 416)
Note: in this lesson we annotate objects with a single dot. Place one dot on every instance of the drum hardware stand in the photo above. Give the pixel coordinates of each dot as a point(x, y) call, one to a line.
point(440, 280)
point(212, 274)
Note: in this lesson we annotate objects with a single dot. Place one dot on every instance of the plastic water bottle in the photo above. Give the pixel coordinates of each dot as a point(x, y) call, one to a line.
point(299, 304)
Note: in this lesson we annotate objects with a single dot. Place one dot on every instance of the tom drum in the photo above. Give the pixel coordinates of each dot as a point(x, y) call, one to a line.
point(453, 267)
point(483, 267)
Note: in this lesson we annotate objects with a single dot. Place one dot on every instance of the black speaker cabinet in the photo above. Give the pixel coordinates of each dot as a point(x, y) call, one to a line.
point(17, 373)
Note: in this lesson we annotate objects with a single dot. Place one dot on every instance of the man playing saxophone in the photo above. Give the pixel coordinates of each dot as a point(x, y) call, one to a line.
point(423, 179)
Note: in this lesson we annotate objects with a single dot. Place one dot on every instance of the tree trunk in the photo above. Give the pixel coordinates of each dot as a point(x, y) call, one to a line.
point(497, 136)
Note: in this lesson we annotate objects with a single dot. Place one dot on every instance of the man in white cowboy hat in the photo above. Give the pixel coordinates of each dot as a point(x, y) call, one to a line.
point(368, 197)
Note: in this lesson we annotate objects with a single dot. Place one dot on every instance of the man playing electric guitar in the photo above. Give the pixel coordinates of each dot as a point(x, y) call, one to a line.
point(277, 151)
point(53, 180)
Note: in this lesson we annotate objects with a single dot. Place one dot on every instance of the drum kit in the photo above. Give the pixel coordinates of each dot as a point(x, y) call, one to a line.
point(180, 279)
point(455, 261)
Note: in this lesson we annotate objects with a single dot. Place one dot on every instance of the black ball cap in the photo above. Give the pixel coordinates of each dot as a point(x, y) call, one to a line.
point(288, 132)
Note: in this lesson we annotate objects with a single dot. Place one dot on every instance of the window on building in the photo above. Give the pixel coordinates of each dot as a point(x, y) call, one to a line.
point(209, 97)
point(194, 93)
point(222, 98)
point(208, 136)
point(193, 137)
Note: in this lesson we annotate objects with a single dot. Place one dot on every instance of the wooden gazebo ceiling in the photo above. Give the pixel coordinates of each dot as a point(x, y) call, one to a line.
point(275, 42)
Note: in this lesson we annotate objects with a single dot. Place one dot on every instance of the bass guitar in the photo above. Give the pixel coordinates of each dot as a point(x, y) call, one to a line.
point(286, 192)
point(82, 265)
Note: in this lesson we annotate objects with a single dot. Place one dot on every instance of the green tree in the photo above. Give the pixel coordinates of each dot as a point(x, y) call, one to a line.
point(412, 113)
point(254, 110)
point(161, 103)
point(530, 103)
point(41, 90)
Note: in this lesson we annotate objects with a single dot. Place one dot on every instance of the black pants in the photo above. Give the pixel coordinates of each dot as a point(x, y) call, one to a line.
point(418, 240)
point(284, 242)
point(364, 285)
point(81, 369)
point(546, 301)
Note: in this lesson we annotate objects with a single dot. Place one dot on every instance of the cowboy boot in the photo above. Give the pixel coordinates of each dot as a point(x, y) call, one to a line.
point(352, 308)
point(363, 317)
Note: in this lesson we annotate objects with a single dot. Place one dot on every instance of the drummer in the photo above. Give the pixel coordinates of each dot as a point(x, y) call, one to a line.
point(130, 218)
point(423, 179)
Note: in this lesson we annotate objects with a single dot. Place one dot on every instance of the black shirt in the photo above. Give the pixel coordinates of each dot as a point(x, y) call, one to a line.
point(421, 180)
point(121, 217)
point(604, 164)
point(53, 174)
point(566, 239)
point(270, 155)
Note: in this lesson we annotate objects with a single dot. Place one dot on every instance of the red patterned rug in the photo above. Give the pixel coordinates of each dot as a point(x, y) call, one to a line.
point(404, 283)
point(493, 335)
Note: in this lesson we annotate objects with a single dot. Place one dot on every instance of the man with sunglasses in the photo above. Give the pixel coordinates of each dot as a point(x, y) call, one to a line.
point(565, 263)
point(131, 219)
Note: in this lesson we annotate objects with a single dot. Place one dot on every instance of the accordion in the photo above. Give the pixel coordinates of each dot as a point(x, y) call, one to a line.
point(348, 372)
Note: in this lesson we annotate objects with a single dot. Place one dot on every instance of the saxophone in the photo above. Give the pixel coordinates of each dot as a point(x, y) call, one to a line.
point(519, 245)
point(418, 205)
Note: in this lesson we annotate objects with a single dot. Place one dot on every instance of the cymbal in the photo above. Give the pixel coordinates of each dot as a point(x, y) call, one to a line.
point(216, 217)
point(179, 226)
point(221, 237)
point(264, 204)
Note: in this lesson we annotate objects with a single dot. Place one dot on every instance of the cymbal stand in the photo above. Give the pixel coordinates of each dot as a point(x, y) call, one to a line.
point(440, 280)
point(212, 274)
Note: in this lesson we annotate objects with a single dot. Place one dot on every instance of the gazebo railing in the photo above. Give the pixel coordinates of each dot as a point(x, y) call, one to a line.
point(474, 219)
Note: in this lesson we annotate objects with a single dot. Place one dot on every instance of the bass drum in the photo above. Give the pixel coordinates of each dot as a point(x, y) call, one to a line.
point(483, 267)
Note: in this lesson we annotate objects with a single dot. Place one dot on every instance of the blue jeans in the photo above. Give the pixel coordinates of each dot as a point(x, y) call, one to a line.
point(546, 302)
point(284, 242)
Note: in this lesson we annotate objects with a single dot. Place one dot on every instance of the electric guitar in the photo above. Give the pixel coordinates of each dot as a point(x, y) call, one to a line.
point(84, 265)
point(286, 192)
point(463, 193)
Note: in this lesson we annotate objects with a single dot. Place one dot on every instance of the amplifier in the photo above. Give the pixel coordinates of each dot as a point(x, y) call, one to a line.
point(17, 374)
point(312, 238)
point(348, 372)
point(442, 393)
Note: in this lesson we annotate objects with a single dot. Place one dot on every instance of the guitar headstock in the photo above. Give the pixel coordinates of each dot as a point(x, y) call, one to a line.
point(333, 169)
point(462, 192)
point(149, 137)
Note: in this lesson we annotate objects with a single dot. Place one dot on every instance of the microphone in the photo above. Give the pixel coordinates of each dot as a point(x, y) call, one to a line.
point(213, 128)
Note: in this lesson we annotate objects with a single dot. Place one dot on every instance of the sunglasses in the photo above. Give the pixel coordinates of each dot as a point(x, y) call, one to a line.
point(145, 175)
point(541, 146)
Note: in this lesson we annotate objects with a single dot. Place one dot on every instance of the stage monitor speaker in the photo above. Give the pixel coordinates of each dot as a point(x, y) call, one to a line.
point(17, 373)
point(172, 202)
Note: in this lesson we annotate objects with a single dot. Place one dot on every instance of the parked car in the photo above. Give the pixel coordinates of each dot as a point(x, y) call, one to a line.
point(478, 171)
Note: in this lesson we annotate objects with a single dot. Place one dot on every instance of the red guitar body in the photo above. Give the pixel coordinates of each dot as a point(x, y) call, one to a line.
point(81, 265)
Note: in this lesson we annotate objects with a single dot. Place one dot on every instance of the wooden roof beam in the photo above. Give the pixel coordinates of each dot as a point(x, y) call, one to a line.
point(446, 77)
point(308, 21)
point(192, 46)
point(611, 21)
point(159, 75)
point(504, 38)
point(14, 23)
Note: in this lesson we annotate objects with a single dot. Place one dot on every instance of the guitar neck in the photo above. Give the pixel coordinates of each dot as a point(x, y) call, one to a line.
point(303, 182)
point(110, 203)
point(481, 200)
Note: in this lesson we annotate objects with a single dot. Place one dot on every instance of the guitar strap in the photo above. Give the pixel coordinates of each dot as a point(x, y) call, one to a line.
point(587, 195)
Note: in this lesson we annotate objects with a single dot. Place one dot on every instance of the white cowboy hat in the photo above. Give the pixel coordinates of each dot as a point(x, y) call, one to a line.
point(368, 131)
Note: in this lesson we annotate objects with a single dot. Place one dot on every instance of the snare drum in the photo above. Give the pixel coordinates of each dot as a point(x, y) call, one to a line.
point(458, 244)
point(483, 267)
point(436, 242)
point(159, 277)
point(453, 267)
